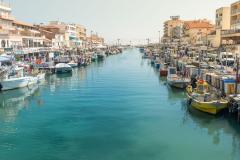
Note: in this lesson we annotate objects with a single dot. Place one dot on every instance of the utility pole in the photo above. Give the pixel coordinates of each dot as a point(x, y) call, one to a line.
point(148, 41)
point(118, 42)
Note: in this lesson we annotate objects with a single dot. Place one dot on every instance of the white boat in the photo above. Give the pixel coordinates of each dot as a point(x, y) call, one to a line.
point(73, 64)
point(63, 68)
point(101, 55)
point(18, 81)
point(94, 57)
point(176, 81)
point(13, 78)
point(14, 83)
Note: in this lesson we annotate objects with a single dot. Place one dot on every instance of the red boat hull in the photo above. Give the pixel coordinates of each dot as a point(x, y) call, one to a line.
point(163, 73)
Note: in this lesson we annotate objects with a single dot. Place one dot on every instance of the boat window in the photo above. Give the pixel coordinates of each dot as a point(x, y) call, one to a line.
point(173, 71)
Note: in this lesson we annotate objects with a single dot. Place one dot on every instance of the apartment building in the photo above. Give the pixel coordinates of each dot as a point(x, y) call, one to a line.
point(231, 37)
point(196, 32)
point(222, 23)
point(172, 29)
point(82, 35)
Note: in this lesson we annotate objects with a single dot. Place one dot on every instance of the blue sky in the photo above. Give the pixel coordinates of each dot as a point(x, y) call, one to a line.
point(125, 19)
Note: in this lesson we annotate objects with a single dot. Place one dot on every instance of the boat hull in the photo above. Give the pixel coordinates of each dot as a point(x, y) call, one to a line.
point(180, 85)
point(63, 70)
point(16, 83)
point(73, 65)
point(100, 57)
point(212, 107)
point(163, 73)
point(157, 65)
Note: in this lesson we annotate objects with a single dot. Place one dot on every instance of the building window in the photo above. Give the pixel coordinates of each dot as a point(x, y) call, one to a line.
point(3, 43)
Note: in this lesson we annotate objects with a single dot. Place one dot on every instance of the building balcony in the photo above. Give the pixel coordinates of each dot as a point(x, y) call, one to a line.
point(231, 43)
point(4, 32)
point(235, 11)
point(231, 33)
point(234, 22)
point(7, 17)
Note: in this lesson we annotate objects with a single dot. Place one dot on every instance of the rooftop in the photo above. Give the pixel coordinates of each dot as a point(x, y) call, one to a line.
point(198, 24)
point(235, 3)
point(22, 23)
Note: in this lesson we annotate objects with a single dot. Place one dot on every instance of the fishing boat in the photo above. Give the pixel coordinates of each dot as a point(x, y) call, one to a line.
point(202, 100)
point(153, 60)
point(141, 49)
point(157, 65)
point(164, 70)
point(145, 56)
point(94, 57)
point(176, 81)
point(63, 68)
point(101, 55)
point(17, 80)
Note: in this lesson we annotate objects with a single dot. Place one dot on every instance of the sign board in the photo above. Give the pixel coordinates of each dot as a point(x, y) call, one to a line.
point(203, 48)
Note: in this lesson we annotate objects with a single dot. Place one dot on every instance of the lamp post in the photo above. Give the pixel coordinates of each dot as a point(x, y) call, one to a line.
point(118, 42)
point(148, 41)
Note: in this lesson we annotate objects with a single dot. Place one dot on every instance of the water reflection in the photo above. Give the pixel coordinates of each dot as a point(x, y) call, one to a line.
point(216, 126)
point(11, 102)
point(175, 94)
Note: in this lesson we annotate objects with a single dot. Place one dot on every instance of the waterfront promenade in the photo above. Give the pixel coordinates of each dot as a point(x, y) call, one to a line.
point(118, 109)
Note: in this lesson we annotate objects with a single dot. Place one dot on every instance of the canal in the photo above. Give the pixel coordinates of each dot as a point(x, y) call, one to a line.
point(118, 109)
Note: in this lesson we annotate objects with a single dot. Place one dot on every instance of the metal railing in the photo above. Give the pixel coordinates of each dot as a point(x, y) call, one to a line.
point(235, 11)
point(232, 31)
point(236, 21)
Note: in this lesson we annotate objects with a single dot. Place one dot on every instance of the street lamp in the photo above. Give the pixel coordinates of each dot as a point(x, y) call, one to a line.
point(148, 41)
point(118, 40)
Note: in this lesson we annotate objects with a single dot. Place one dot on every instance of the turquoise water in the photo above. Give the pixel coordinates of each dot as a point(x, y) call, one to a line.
point(115, 110)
